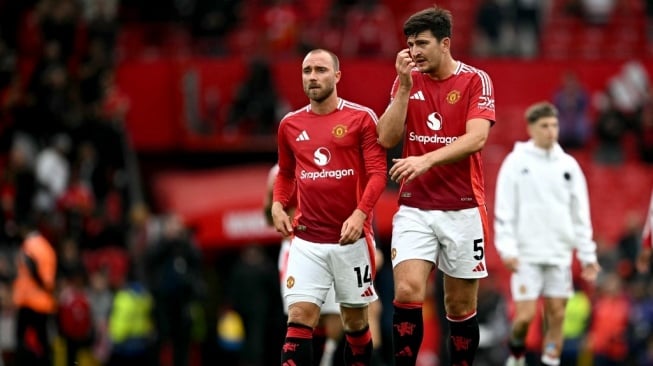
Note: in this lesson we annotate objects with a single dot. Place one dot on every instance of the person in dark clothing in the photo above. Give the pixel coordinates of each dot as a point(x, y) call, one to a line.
point(173, 264)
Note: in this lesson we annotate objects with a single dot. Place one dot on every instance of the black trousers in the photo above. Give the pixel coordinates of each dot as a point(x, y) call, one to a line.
point(32, 343)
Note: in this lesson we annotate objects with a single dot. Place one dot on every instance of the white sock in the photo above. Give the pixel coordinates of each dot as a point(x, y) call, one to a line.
point(329, 348)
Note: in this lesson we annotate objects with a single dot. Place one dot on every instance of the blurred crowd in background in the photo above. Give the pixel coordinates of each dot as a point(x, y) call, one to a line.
point(68, 169)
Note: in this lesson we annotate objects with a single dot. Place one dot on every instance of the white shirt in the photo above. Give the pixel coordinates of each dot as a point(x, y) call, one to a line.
point(542, 207)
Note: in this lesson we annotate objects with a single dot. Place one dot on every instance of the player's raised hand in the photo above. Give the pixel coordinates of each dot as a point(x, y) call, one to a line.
point(281, 219)
point(404, 64)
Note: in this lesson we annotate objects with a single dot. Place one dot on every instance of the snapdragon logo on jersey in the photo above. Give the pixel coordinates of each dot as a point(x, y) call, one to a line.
point(434, 122)
point(322, 157)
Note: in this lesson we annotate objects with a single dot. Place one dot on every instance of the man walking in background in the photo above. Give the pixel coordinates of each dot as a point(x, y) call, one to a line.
point(541, 215)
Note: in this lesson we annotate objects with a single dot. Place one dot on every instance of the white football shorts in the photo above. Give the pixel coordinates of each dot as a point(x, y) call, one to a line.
point(330, 305)
point(534, 280)
point(454, 240)
point(313, 269)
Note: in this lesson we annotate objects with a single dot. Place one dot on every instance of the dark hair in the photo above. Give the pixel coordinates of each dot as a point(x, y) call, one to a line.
point(435, 19)
point(540, 110)
point(336, 62)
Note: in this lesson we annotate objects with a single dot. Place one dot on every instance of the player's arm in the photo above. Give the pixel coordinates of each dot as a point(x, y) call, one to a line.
point(580, 213)
point(476, 134)
point(284, 185)
point(390, 127)
point(374, 158)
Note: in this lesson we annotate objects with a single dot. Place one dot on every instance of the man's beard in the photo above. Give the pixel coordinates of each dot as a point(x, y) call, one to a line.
point(322, 94)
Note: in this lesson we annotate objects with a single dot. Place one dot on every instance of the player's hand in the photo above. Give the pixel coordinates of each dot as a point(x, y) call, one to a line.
point(281, 219)
point(408, 168)
point(352, 228)
point(643, 261)
point(590, 271)
point(404, 64)
point(511, 263)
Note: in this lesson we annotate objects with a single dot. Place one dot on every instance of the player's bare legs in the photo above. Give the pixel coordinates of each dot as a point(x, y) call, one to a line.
point(460, 299)
point(554, 312)
point(298, 346)
point(410, 277)
point(524, 315)
point(357, 333)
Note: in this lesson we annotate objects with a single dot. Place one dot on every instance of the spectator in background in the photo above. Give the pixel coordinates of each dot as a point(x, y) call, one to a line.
point(52, 173)
point(607, 336)
point(610, 128)
point(489, 27)
point(598, 12)
point(644, 134)
point(254, 294)
point(644, 258)
point(256, 106)
point(174, 280)
point(369, 30)
point(541, 215)
point(527, 26)
point(574, 328)
point(281, 25)
point(33, 297)
point(572, 102)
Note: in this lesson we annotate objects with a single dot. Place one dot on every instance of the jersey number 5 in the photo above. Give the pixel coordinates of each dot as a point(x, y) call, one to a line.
point(478, 248)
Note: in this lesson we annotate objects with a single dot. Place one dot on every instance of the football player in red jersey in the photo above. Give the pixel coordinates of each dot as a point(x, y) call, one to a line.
point(443, 110)
point(330, 156)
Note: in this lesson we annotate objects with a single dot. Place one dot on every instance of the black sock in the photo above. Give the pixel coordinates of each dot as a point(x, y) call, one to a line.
point(358, 349)
point(298, 346)
point(463, 340)
point(517, 349)
point(407, 333)
point(319, 339)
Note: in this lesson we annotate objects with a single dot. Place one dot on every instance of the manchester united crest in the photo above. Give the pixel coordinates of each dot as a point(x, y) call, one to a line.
point(290, 282)
point(393, 253)
point(339, 131)
point(453, 96)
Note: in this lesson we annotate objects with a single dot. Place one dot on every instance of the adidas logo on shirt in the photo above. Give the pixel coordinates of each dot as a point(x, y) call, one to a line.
point(418, 96)
point(303, 136)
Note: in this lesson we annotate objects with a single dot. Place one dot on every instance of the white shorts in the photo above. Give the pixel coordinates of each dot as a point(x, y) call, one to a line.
point(330, 305)
point(315, 268)
point(454, 240)
point(534, 280)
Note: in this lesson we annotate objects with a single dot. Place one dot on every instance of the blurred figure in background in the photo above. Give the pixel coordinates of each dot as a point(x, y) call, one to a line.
point(608, 337)
point(541, 215)
point(572, 102)
point(33, 297)
point(253, 293)
point(174, 279)
point(644, 257)
point(256, 106)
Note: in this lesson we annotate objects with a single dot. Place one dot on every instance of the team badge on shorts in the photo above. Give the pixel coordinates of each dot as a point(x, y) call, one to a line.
point(393, 253)
point(522, 289)
point(290, 282)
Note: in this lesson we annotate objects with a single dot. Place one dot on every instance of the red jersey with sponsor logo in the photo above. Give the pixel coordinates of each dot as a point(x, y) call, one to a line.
point(438, 111)
point(336, 164)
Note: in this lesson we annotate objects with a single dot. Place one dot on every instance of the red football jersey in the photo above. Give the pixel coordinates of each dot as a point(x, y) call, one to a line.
point(336, 164)
point(438, 111)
